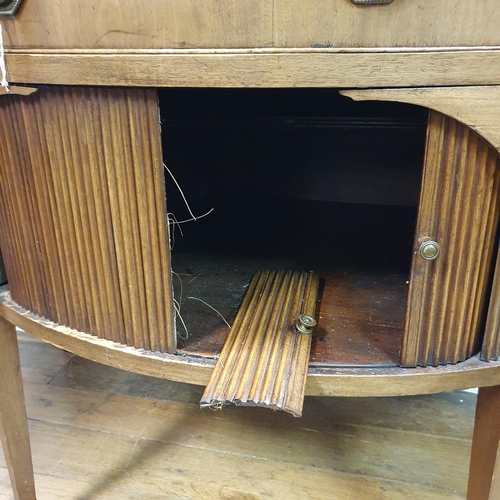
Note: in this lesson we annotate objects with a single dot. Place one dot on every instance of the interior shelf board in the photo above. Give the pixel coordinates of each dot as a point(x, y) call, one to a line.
point(360, 315)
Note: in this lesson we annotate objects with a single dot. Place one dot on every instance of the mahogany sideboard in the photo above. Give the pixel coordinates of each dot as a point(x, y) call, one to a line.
point(109, 102)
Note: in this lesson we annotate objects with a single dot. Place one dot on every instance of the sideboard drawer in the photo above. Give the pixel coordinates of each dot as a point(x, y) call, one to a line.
point(172, 24)
point(403, 23)
point(138, 24)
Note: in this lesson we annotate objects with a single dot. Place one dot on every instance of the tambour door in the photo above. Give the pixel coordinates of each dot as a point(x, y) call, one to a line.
point(84, 231)
point(454, 244)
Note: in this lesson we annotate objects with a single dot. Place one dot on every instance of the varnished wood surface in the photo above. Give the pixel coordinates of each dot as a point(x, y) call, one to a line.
point(459, 209)
point(418, 23)
point(257, 23)
point(491, 340)
point(483, 475)
point(350, 382)
point(265, 359)
point(257, 68)
point(120, 436)
point(83, 205)
point(131, 24)
point(13, 420)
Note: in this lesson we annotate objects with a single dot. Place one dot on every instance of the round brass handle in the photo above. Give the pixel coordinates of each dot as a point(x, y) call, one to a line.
point(305, 323)
point(429, 250)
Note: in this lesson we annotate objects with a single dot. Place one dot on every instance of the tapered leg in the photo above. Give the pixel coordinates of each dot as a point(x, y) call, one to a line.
point(484, 472)
point(13, 420)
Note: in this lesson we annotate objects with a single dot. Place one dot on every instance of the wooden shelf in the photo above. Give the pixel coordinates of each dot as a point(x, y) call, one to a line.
point(360, 317)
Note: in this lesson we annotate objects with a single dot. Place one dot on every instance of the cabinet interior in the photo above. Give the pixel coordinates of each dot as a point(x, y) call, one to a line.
point(300, 179)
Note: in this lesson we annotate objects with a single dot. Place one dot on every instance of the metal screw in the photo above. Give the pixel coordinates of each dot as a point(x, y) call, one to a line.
point(305, 323)
point(429, 250)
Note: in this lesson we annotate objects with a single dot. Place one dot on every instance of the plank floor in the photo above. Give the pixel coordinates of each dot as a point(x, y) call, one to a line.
point(102, 433)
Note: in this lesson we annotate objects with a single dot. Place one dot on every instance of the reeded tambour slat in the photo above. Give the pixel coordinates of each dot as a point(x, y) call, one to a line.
point(491, 343)
point(459, 209)
point(85, 236)
point(265, 359)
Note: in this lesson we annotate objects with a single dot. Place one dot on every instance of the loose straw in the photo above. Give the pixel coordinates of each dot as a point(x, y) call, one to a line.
point(4, 83)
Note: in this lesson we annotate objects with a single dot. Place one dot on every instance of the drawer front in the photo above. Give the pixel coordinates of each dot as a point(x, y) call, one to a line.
point(137, 24)
point(458, 215)
point(160, 24)
point(403, 23)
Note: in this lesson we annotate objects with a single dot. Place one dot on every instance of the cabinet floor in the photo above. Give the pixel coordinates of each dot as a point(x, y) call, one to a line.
point(102, 433)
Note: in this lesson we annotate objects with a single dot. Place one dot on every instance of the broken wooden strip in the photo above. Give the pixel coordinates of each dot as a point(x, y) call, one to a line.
point(265, 359)
point(295, 398)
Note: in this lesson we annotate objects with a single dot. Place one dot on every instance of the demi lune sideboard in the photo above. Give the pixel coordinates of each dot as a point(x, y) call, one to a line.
point(87, 228)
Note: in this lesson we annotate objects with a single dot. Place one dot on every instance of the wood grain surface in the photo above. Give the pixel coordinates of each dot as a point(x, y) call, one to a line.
point(265, 359)
point(256, 23)
point(418, 23)
point(257, 68)
point(83, 204)
point(459, 209)
point(13, 420)
point(132, 24)
point(484, 468)
point(491, 342)
point(350, 382)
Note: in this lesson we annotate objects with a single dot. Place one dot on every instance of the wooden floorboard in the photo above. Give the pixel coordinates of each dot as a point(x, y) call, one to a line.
point(101, 433)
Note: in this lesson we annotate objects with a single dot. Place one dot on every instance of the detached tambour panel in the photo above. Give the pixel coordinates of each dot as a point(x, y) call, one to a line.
point(85, 239)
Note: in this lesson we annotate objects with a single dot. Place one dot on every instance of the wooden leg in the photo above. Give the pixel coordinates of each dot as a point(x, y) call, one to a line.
point(13, 419)
point(484, 472)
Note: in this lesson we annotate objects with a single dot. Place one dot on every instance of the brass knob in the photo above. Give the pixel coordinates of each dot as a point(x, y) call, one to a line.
point(305, 323)
point(429, 250)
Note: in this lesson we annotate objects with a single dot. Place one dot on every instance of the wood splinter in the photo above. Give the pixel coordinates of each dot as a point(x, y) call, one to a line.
point(265, 359)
